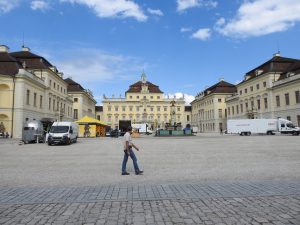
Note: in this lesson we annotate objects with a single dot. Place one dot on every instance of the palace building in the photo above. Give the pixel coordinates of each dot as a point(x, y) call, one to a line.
point(83, 100)
point(270, 90)
point(31, 88)
point(144, 102)
point(209, 107)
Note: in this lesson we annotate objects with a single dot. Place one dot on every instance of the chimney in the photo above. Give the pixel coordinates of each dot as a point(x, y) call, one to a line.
point(25, 49)
point(4, 48)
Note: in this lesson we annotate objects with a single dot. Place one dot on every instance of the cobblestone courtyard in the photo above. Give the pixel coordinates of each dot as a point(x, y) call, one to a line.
point(205, 179)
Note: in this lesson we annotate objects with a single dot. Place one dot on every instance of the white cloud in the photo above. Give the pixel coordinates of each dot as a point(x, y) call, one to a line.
point(39, 5)
point(8, 5)
point(186, 4)
point(221, 21)
point(187, 98)
point(185, 29)
point(91, 65)
point(156, 12)
point(113, 8)
point(202, 34)
point(261, 17)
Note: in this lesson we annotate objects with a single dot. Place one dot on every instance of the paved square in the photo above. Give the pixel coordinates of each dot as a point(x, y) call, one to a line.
point(206, 179)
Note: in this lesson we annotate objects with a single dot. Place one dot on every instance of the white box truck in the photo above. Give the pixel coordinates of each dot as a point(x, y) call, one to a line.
point(142, 128)
point(63, 133)
point(261, 126)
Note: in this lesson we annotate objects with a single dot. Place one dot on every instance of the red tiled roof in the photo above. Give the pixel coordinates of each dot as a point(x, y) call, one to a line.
point(8, 64)
point(221, 87)
point(31, 60)
point(73, 86)
point(137, 87)
point(276, 64)
point(294, 68)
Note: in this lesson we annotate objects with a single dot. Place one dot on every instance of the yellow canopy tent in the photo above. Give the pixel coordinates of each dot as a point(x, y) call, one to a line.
point(91, 127)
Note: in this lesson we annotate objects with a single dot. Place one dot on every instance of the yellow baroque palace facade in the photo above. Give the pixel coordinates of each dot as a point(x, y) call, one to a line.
point(209, 107)
point(31, 88)
point(271, 90)
point(144, 102)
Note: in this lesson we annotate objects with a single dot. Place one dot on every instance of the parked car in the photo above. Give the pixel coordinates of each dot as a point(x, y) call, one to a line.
point(114, 133)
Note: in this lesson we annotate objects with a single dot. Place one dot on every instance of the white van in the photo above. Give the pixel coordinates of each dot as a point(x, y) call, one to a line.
point(63, 133)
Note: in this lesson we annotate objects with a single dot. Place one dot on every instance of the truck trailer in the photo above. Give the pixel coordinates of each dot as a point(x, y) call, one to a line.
point(142, 128)
point(261, 126)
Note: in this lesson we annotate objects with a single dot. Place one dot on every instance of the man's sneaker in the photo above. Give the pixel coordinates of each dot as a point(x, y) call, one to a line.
point(139, 173)
point(125, 173)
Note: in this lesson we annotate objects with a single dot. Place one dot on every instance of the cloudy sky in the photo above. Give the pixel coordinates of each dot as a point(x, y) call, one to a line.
point(182, 45)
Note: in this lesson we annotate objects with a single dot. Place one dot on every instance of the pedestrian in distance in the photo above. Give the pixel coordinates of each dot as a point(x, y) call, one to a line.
point(128, 152)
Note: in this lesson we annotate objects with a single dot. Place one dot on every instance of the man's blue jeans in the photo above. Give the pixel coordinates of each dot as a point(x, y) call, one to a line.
point(134, 159)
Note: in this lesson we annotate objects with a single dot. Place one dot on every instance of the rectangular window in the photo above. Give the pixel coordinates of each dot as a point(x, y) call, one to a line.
point(34, 99)
point(130, 108)
point(265, 84)
point(266, 103)
point(178, 109)
point(49, 103)
point(187, 117)
point(241, 92)
point(232, 110)
point(287, 99)
point(123, 108)
point(137, 97)
point(288, 118)
point(252, 105)
point(130, 97)
point(258, 104)
point(116, 108)
point(158, 97)
point(237, 109)
point(151, 109)
point(53, 105)
point(158, 108)
point(278, 101)
point(151, 97)
point(246, 106)
point(75, 99)
point(137, 108)
point(27, 97)
point(109, 108)
point(50, 83)
point(165, 109)
point(75, 114)
point(41, 101)
point(219, 100)
point(257, 86)
point(246, 91)
point(54, 84)
point(98, 117)
point(297, 96)
point(251, 88)
point(220, 113)
point(241, 108)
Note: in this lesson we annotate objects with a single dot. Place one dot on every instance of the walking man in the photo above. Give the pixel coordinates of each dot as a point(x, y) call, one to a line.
point(129, 152)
